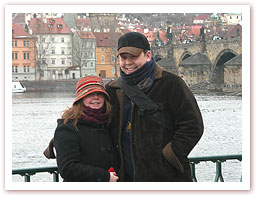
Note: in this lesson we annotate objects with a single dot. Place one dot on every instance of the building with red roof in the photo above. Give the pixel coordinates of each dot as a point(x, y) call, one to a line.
point(23, 54)
point(54, 47)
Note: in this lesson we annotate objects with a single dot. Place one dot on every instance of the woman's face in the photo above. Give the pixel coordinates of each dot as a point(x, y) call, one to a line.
point(94, 100)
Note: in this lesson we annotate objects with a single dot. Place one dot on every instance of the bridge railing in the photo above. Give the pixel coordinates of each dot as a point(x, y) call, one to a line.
point(218, 160)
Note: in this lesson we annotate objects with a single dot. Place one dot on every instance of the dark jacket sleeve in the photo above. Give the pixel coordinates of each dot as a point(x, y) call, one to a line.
point(188, 124)
point(66, 142)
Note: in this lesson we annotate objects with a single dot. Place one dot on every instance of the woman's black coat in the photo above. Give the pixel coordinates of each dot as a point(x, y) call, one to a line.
point(85, 154)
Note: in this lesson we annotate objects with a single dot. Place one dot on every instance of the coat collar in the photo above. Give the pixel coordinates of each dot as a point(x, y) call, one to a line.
point(158, 75)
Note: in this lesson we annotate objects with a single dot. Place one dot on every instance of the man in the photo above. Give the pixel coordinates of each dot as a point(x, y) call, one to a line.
point(149, 151)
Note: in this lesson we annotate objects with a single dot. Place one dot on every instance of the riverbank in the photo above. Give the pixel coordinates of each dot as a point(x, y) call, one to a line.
point(69, 86)
point(52, 86)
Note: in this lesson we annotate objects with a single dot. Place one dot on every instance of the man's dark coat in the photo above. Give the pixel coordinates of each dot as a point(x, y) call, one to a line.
point(159, 154)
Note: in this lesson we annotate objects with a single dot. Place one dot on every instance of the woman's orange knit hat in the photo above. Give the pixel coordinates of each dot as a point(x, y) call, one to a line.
point(88, 85)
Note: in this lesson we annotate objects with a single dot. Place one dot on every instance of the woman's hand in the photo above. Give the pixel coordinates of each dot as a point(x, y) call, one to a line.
point(113, 177)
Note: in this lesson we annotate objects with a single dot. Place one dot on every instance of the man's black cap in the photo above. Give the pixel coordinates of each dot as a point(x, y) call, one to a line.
point(133, 43)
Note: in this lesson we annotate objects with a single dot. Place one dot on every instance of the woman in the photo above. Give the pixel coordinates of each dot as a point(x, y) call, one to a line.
point(84, 150)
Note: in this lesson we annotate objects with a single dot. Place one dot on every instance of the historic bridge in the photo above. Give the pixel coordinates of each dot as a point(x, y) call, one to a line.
point(217, 52)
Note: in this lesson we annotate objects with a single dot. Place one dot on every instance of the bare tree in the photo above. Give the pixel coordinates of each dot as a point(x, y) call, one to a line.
point(43, 49)
point(82, 51)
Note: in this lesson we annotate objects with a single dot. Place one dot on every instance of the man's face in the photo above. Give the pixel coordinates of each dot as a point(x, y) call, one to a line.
point(130, 63)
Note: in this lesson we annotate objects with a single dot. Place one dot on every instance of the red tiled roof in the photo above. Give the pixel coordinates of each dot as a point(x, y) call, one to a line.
point(18, 31)
point(195, 30)
point(163, 36)
point(51, 26)
point(105, 39)
point(73, 68)
point(19, 18)
point(150, 36)
point(86, 35)
point(202, 17)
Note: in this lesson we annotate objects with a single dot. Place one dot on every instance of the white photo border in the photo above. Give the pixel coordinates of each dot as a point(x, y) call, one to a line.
point(244, 9)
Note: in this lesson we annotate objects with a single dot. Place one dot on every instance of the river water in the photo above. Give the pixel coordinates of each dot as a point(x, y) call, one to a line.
point(34, 116)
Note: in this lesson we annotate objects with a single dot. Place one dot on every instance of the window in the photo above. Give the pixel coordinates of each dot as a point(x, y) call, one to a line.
point(63, 52)
point(16, 69)
point(16, 56)
point(28, 43)
point(63, 61)
point(85, 64)
point(91, 55)
point(28, 69)
point(12, 43)
point(24, 43)
point(62, 39)
point(24, 69)
point(53, 39)
point(53, 51)
point(15, 43)
point(102, 49)
point(59, 26)
point(12, 68)
point(53, 61)
point(26, 56)
point(91, 64)
point(102, 58)
point(43, 39)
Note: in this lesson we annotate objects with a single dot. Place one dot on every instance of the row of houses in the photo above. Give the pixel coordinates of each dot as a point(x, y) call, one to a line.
point(48, 47)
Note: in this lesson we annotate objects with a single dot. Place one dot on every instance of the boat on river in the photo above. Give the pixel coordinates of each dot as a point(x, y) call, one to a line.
point(18, 87)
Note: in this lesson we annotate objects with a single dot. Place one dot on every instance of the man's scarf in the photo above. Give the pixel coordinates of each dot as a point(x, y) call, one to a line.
point(142, 77)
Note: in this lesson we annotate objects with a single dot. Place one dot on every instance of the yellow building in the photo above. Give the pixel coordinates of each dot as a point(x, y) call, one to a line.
point(107, 65)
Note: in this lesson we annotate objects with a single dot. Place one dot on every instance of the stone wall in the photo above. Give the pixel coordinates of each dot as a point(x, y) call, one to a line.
point(50, 86)
point(53, 86)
